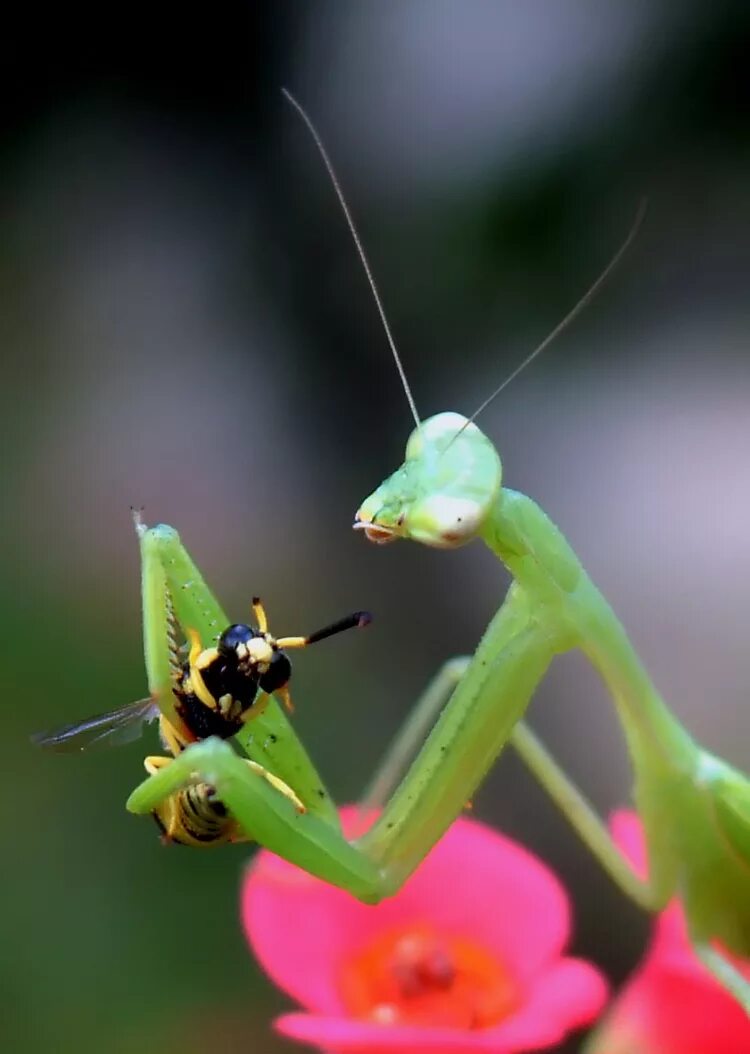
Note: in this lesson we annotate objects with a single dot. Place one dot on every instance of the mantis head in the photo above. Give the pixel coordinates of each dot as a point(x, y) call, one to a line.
point(451, 476)
point(444, 490)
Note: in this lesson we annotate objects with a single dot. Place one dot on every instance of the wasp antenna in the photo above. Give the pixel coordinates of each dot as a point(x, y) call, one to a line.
point(585, 300)
point(354, 621)
point(360, 249)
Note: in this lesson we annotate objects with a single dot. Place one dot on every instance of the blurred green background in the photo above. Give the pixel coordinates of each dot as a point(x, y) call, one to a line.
point(185, 327)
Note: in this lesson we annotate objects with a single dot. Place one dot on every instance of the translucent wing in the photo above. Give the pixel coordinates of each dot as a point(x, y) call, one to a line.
point(113, 729)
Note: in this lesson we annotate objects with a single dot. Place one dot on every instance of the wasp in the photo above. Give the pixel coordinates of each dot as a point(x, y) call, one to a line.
point(217, 690)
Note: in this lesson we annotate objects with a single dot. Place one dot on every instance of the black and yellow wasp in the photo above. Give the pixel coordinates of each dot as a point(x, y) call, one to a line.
point(217, 690)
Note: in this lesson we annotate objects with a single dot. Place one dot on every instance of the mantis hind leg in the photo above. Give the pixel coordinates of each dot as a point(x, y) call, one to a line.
point(583, 819)
point(413, 733)
point(561, 789)
point(725, 972)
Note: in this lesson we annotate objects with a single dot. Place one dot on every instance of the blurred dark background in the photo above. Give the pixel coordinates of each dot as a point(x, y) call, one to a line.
point(184, 326)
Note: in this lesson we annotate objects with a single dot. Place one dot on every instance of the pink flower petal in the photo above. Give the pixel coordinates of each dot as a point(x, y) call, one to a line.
point(475, 883)
point(299, 929)
point(567, 996)
point(341, 1034)
point(671, 1004)
point(683, 1012)
point(627, 831)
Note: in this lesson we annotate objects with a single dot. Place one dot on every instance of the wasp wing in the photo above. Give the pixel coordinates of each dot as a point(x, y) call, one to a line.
point(123, 725)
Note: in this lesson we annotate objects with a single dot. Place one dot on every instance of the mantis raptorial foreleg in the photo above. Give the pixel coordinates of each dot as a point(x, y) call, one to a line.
point(173, 589)
point(193, 816)
point(269, 817)
point(452, 763)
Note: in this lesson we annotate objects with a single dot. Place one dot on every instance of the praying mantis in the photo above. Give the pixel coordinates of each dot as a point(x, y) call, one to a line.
point(695, 807)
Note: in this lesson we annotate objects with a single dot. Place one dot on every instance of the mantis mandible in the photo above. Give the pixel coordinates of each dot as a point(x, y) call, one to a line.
point(695, 808)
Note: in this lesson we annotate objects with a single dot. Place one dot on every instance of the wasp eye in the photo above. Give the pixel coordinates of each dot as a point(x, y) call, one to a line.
point(278, 673)
point(234, 636)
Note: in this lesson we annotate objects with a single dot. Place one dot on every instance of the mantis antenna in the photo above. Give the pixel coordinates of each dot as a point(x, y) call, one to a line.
point(360, 249)
point(585, 300)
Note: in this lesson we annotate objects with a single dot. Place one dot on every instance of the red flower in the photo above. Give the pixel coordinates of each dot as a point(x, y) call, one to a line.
point(467, 957)
point(671, 1004)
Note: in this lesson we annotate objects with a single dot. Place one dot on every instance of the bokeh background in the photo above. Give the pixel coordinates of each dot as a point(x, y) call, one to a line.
point(184, 326)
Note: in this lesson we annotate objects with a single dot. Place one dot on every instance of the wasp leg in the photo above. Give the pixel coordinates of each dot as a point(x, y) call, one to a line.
point(286, 699)
point(153, 765)
point(166, 813)
point(260, 703)
point(279, 784)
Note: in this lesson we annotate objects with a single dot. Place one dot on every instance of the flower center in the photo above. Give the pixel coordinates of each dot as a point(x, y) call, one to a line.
point(416, 976)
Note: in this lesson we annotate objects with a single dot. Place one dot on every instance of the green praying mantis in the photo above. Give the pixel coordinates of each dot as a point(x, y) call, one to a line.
point(695, 808)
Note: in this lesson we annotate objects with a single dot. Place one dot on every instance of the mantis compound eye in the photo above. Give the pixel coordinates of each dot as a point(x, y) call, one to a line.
point(445, 521)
